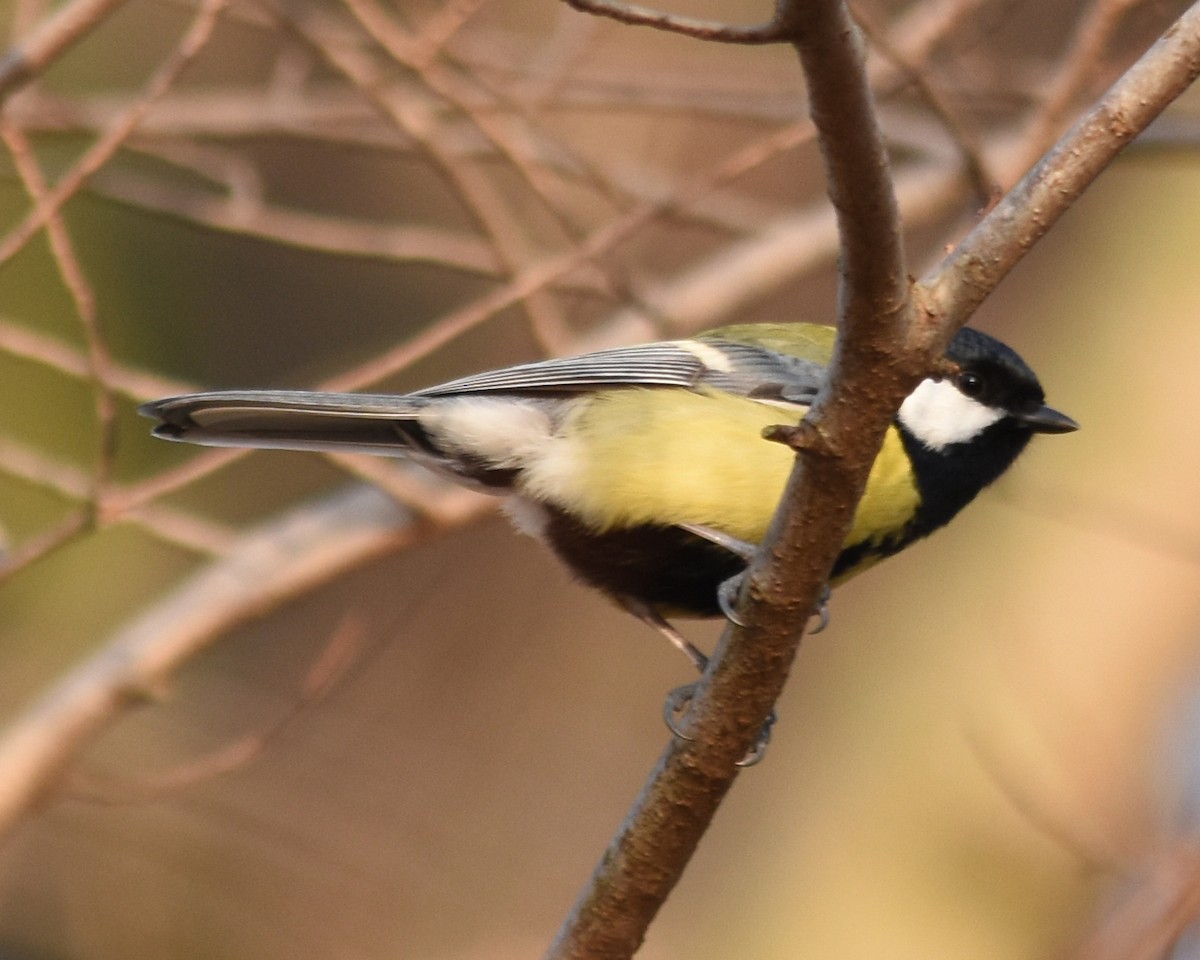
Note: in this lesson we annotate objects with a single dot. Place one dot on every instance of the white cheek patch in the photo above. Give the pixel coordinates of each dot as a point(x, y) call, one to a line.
point(938, 414)
point(502, 433)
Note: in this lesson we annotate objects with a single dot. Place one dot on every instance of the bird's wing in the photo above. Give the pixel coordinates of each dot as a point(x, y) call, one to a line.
point(300, 420)
point(735, 367)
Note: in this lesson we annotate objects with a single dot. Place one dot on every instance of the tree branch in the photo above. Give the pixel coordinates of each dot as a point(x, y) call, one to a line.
point(639, 16)
point(284, 558)
point(736, 696)
point(66, 27)
point(965, 278)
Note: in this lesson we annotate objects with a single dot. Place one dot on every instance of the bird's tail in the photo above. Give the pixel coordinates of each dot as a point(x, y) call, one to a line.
point(291, 420)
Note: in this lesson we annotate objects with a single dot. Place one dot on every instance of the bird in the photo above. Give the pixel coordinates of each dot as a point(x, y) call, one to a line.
point(645, 468)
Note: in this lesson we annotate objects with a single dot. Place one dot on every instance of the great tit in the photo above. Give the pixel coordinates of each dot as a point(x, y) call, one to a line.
point(645, 467)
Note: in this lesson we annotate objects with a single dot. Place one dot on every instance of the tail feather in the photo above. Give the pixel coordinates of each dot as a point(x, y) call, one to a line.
point(290, 420)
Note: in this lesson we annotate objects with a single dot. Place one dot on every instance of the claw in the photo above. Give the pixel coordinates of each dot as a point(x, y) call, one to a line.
point(676, 702)
point(759, 750)
point(727, 598)
point(822, 611)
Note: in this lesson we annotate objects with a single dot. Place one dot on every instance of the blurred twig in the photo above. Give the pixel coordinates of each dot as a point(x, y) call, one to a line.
point(99, 363)
point(172, 526)
point(69, 24)
point(334, 660)
point(1153, 912)
point(193, 41)
point(284, 558)
point(982, 260)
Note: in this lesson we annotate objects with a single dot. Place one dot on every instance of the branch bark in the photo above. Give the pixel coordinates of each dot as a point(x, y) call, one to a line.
point(733, 701)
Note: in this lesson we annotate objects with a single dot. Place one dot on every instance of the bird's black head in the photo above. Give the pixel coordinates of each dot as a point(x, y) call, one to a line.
point(964, 430)
point(993, 386)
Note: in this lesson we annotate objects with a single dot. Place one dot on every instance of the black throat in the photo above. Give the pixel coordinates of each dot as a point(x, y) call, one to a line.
point(950, 478)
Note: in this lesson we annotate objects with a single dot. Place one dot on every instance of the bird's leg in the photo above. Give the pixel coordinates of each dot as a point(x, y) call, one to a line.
point(653, 619)
point(739, 548)
point(727, 599)
point(677, 702)
point(678, 699)
point(728, 590)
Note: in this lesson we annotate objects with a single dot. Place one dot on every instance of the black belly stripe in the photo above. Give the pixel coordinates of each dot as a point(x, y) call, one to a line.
point(674, 571)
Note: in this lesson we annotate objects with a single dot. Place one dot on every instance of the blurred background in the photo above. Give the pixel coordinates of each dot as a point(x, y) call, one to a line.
point(380, 723)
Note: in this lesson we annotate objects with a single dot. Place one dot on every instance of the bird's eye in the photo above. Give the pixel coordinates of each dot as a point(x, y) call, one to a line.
point(971, 385)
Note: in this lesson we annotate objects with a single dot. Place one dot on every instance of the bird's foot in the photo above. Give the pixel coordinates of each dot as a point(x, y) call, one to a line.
point(728, 593)
point(676, 706)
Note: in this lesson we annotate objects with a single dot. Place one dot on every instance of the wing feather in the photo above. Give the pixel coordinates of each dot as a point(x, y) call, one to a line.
point(736, 367)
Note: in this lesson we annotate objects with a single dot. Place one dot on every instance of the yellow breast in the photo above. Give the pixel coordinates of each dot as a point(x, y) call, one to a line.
point(623, 458)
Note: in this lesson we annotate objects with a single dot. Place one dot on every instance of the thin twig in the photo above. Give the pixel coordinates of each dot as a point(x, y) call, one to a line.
point(66, 27)
point(68, 530)
point(193, 41)
point(1080, 64)
point(969, 148)
point(19, 341)
point(284, 558)
point(167, 524)
point(635, 15)
point(968, 274)
point(303, 229)
point(541, 274)
point(99, 363)
point(331, 665)
point(495, 215)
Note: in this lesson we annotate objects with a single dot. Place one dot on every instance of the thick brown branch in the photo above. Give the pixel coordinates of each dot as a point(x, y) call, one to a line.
point(738, 693)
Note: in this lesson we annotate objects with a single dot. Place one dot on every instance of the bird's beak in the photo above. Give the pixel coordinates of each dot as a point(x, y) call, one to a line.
point(1047, 420)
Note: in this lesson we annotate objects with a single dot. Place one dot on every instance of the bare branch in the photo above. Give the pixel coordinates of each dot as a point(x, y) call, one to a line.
point(138, 385)
point(110, 142)
point(639, 16)
point(331, 665)
point(734, 699)
point(962, 281)
point(540, 274)
point(70, 24)
point(169, 525)
point(969, 147)
point(881, 355)
point(99, 363)
point(284, 558)
point(67, 530)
